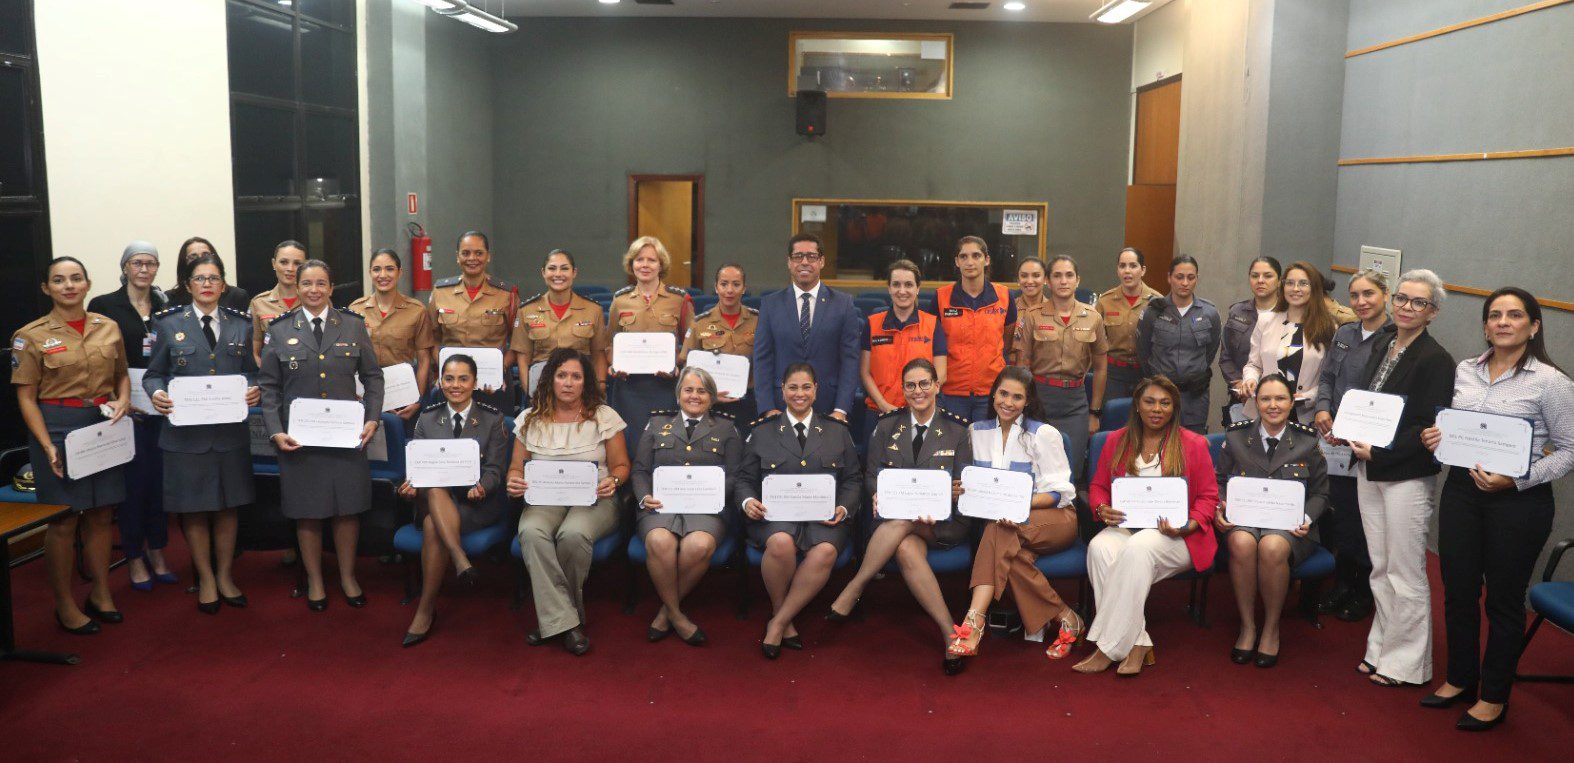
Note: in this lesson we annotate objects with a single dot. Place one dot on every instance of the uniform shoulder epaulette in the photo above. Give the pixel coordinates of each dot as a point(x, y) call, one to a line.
point(833, 418)
point(287, 314)
point(1206, 302)
point(763, 419)
point(1305, 428)
point(434, 406)
point(1159, 303)
point(1242, 423)
point(531, 298)
point(668, 412)
point(485, 406)
point(174, 311)
point(952, 416)
point(498, 283)
point(624, 290)
point(754, 310)
point(234, 312)
point(446, 282)
point(892, 412)
point(722, 414)
point(677, 290)
point(708, 311)
point(356, 315)
point(1109, 291)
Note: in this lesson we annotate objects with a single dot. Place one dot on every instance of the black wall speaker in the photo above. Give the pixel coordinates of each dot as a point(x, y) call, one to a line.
point(811, 112)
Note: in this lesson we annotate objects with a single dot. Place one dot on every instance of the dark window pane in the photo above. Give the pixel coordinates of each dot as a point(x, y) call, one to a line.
point(340, 12)
point(334, 236)
point(16, 136)
point(261, 52)
point(327, 66)
point(256, 233)
point(16, 27)
point(263, 145)
point(331, 155)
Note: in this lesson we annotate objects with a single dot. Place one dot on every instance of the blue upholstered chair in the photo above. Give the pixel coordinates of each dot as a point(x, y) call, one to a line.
point(589, 290)
point(1551, 600)
point(726, 554)
point(1117, 411)
point(603, 550)
point(703, 302)
point(11, 462)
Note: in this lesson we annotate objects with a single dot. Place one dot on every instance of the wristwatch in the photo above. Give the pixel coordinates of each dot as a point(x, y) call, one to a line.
point(1096, 411)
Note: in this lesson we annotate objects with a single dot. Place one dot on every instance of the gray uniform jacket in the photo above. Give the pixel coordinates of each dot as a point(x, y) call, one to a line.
point(181, 349)
point(1180, 347)
point(1235, 347)
point(1296, 457)
point(1344, 365)
point(664, 443)
point(947, 445)
point(485, 425)
point(295, 365)
point(772, 448)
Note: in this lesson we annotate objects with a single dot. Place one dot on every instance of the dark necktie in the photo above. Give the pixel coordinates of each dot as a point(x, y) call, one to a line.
point(918, 439)
point(803, 316)
point(803, 436)
point(688, 428)
point(317, 330)
point(1273, 442)
point(207, 331)
point(459, 425)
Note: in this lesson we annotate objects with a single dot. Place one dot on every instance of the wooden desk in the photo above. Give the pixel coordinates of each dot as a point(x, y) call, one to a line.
point(15, 519)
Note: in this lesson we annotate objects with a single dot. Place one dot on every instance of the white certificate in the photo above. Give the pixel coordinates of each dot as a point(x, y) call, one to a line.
point(399, 387)
point(327, 423)
point(207, 400)
point(93, 449)
point(799, 497)
point(689, 489)
point(1144, 500)
point(914, 493)
point(731, 372)
point(535, 377)
point(1338, 457)
point(443, 463)
point(140, 402)
point(995, 494)
point(1500, 444)
point(488, 363)
point(1266, 504)
point(1369, 417)
point(561, 483)
point(644, 352)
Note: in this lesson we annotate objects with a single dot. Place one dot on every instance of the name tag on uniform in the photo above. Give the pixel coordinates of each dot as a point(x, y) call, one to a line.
point(538, 325)
point(881, 340)
point(1046, 327)
point(445, 310)
point(952, 312)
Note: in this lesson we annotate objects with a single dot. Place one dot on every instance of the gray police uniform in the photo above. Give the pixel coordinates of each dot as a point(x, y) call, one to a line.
point(1182, 347)
point(947, 445)
point(1235, 346)
point(772, 448)
point(487, 427)
point(1296, 457)
point(318, 483)
point(207, 467)
point(667, 442)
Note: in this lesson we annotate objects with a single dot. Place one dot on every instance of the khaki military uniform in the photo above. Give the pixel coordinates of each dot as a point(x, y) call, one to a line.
point(712, 333)
point(401, 336)
point(264, 308)
point(538, 331)
point(1060, 355)
point(669, 310)
point(459, 321)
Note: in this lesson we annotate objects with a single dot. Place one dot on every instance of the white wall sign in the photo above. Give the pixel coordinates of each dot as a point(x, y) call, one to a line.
point(1019, 222)
point(813, 213)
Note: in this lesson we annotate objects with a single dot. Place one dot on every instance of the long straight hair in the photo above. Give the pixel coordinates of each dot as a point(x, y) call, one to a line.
point(1128, 444)
point(1537, 347)
point(1317, 325)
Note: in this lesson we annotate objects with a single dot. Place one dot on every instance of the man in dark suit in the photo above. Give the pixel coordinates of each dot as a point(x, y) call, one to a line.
point(808, 322)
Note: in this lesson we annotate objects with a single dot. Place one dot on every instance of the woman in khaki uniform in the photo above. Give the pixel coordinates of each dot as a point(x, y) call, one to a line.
point(474, 309)
point(65, 366)
point(1032, 274)
point(727, 329)
point(288, 256)
point(1121, 308)
point(649, 306)
point(1060, 341)
point(400, 327)
point(558, 318)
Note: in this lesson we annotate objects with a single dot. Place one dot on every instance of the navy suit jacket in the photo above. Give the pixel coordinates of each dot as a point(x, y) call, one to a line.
point(832, 347)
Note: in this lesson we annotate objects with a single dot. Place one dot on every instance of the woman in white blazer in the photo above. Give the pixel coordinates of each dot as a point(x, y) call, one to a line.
point(1292, 341)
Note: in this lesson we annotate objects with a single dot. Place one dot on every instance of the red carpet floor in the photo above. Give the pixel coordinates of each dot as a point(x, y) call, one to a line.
point(276, 682)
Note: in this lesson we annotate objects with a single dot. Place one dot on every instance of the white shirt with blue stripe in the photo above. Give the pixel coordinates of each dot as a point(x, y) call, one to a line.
point(1031, 446)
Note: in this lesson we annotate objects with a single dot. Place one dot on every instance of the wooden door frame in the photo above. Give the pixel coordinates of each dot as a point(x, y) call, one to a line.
point(697, 262)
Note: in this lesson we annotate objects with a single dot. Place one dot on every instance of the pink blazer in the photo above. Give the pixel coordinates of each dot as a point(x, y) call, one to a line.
point(1272, 335)
point(1201, 483)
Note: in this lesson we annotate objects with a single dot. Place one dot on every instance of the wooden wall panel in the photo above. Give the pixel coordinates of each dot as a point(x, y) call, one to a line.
point(1157, 144)
point(1150, 227)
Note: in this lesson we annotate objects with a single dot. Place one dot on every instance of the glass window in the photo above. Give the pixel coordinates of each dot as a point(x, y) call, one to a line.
point(328, 66)
point(340, 12)
point(16, 27)
point(261, 52)
point(871, 65)
point(862, 237)
point(16, 134)
point(263, 145)
point(256, 233)
point(332, 164)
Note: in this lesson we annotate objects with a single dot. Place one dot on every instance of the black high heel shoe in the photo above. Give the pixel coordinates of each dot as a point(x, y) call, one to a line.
point(953, 665)
point(470, 577)
point(238, 602)
point(832, 616)
point(1434, 702)
point(357, 601)
point(208, 607)
point(112, 617)
point(697, 638)
point(654, 634)
point(411, 639)
point(771, 651)
point(1242, 656)
point(1266, 660)
point(794, 643)
point(1468, 722)
point(317, 605)
point(88, 628)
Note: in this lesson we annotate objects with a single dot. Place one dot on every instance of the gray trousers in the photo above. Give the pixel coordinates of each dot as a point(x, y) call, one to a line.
point(556, 542)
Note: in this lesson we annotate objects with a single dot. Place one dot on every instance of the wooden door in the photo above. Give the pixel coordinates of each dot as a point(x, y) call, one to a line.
point(670, 207)
point(1150, 199)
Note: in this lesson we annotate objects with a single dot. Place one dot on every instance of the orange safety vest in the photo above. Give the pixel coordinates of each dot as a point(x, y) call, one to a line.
point(975, 342)
point(891, 349)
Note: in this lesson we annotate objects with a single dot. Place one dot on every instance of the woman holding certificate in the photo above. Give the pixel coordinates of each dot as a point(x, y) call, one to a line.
point(1015, 438)
point(1275, 448)
point(727, 329)
point(207, 467)
point(647, 307)
point(1123, 564)
point(1492, 526)
point(1394, 482)
point(317, 353)
point(400, 327)
point(69, 367)
point(797, 442)
point(920, 436)
point(558, 318)
point(1291, 342)
point(446, 513)
point(566, 421)
point(678, 546)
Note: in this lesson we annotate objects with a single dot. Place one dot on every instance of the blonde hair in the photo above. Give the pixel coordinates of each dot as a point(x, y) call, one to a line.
point(638, 245)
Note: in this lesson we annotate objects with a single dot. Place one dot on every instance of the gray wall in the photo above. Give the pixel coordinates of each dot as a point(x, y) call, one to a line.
point(1041, 113)
point(1501, 86)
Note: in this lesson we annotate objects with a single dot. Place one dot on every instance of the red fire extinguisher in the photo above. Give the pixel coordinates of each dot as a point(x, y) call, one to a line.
point(420, 258)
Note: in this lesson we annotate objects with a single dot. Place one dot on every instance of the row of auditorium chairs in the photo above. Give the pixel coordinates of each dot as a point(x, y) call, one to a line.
point(868, 301)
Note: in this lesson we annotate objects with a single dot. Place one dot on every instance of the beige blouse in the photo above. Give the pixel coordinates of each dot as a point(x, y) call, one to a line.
point(583, 441)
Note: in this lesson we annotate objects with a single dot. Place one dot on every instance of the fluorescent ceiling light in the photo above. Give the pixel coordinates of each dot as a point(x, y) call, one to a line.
point(1116, 11)
point(609, 2)
point(482, 20)
point(444, 5)
point(1014, 6)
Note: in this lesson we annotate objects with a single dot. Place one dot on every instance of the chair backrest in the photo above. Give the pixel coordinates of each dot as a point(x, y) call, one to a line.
point(881, 294)
point(393, 432)
point(1087, 296)
point(751, 300)
point(1116, 412)
point(1215, 446)
point(589, 289)
point(703, 302)
point(1095, 449)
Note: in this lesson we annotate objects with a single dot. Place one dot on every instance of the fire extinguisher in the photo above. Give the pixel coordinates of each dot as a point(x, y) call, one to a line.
point(420, 258)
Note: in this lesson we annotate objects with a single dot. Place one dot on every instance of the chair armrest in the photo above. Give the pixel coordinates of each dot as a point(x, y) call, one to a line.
point(1557, 556)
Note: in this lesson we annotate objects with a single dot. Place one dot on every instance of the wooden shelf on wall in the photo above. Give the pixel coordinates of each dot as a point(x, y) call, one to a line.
point(1440, 31)
point(1556, 304)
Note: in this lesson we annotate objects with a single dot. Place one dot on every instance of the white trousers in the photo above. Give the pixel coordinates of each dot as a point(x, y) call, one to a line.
point(1123, 565)
point(1395, 516)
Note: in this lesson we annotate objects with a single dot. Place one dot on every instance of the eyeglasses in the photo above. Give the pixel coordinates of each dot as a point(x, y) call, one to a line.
point(1414, 303)
point(923, 385)
point(142, 265)
point(207, 280)
point(804, 257)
